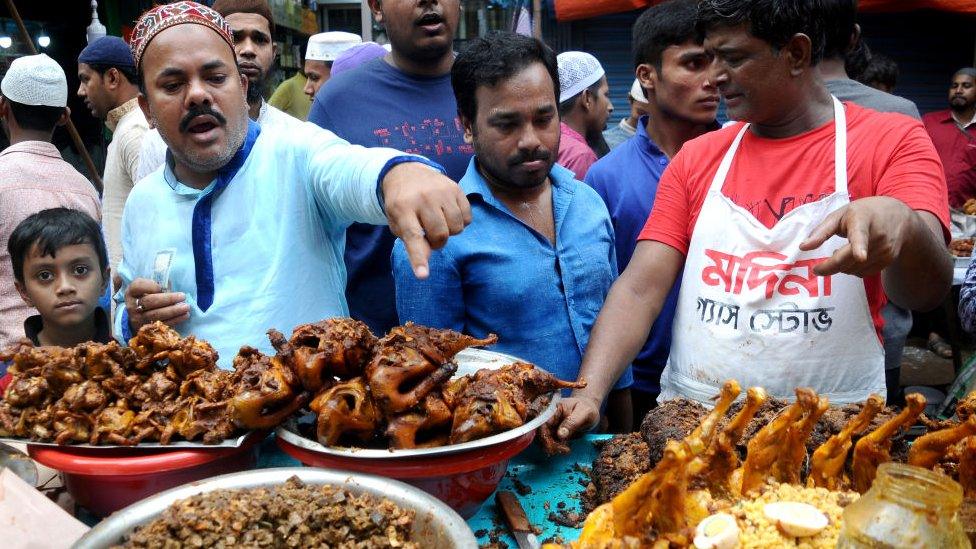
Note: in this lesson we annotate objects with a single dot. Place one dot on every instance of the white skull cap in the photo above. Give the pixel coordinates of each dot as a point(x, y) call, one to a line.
point(326, 46)
point(35, 80)
point(577, 71)
point(637, 92)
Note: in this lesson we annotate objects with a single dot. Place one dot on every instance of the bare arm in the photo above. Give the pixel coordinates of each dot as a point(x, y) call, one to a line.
point(886, 236)
point(631, 307)
point(921, 275)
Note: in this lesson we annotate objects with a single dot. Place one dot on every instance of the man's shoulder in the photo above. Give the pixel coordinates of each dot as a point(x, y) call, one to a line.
point(935, 117)
point(611, 167)
point(149, 189)
point(351, 85)
point(892, 124)
point(866, 96)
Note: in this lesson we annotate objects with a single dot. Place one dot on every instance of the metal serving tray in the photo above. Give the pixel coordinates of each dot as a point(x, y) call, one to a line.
point(469, 361)
point(435, 524)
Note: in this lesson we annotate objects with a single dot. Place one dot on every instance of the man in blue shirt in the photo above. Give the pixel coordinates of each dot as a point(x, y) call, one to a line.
point(242, 230)
point(403, 101)
point(681, 104)
point(538, 260)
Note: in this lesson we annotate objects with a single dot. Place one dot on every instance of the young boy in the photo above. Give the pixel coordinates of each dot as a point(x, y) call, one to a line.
point(61, 268)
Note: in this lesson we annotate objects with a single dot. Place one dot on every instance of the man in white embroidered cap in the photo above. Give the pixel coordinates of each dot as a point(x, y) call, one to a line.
point(323, 48)
point(584, 107)
point(250, 219)
point(33, 102)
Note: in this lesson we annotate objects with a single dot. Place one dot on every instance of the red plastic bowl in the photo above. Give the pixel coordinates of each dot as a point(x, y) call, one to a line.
point(104, 481)
point(463, 480)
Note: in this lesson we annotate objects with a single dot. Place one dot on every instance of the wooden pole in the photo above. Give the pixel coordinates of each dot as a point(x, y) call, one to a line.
point(96, 180)
point(537, 19)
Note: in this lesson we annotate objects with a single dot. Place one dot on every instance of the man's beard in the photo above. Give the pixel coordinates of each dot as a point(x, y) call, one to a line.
point(257, 86)
point(960, 105)
point(235, 139)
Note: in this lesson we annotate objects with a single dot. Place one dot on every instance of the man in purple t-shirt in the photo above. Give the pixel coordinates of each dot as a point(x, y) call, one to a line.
point(404, 101)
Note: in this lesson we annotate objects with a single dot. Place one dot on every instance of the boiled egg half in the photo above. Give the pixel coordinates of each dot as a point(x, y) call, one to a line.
point(796, 519)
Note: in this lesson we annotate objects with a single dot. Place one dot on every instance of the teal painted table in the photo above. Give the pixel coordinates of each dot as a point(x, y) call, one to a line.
point(550, 481)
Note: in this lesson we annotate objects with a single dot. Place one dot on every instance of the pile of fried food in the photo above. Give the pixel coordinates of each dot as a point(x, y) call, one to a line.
point(290, 515)
point(668, 489)
point(160, 388)
point(394, 392)
point(962, 247)
point(969, 207)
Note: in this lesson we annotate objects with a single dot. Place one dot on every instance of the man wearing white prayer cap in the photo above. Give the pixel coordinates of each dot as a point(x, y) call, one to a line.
point(627, 127)
point(584, 107)
point(323, 48)
point(33, 101)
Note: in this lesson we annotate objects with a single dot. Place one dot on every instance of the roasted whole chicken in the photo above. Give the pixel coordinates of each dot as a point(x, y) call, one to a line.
point(160, 387)
point(399, 389)
point(700, 472)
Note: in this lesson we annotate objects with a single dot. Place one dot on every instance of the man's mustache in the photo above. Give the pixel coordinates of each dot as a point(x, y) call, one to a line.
point(203, 110)
point(539, 154)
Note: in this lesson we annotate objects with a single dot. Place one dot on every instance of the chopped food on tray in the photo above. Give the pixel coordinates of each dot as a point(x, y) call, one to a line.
point(969, 207)
point(292, 514)
point(961, 247)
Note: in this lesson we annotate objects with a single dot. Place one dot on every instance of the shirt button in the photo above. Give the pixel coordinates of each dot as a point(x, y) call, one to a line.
point(663, 161)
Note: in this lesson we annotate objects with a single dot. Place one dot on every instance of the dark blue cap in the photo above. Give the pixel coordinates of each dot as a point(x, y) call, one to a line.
point(108, 50)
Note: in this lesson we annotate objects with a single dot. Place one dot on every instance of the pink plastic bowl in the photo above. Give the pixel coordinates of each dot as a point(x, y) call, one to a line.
point(462, 480)
point(104, 481)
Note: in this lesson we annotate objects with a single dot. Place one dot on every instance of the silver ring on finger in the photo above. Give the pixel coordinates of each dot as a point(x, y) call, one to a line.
point(139, 306)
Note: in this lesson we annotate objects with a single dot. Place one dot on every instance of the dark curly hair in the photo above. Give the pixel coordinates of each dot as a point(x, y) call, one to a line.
point(489, 60)
point(773, 21)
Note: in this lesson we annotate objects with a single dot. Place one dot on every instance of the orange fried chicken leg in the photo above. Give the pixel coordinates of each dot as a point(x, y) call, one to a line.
point(875, 448)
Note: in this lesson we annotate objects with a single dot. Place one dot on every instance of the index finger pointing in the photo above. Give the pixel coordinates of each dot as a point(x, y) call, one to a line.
point(825, 230)
point(418, 249)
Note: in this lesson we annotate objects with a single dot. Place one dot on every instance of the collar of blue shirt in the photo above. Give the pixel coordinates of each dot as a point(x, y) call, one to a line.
point(473, 183)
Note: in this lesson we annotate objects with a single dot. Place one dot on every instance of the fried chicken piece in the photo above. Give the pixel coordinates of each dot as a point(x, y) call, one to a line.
point(26, 359)
point(622, 460)
point(411, 361)
point(106, 360)
point(196, 416)
point(654, 504)
point(928, 449)
point(113, 425)
point(716, 465)
point(62, 371)
point(345, 409)
point(28, 391)
point(87, 397)
point(71, 426)
point(828, 460)
point(157, 387)
point(794, 448)
point(670, 420)
point(875, 448)
point(337, 347)
point(268, 390)
point(427, 428)
point(211, 385)
point(157, 342)
point(967, 467)
point(498, 400)
point(701, 437)
point(765, 447)
point(152, 341)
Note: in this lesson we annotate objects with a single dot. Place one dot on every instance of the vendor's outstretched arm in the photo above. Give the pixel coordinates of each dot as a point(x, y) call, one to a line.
point(886, 236)
point(628, 313)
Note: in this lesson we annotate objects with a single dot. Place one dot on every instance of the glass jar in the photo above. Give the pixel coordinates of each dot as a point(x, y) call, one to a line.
point(906, 507)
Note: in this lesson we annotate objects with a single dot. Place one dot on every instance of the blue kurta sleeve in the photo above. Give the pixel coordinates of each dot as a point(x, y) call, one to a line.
point(437, 301)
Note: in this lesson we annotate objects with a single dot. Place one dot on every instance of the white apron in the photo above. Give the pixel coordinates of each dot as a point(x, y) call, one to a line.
point(751, 309)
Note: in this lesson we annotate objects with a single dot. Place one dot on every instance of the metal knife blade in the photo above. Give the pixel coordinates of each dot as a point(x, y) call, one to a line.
point(517, 521)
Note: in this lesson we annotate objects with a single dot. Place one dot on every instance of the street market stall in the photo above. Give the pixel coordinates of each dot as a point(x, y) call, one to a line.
point(686, 466)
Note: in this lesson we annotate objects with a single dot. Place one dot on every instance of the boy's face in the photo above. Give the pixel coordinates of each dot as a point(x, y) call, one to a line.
point(64, 288)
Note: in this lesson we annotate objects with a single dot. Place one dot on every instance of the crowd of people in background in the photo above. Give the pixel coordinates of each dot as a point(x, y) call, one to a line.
point(483, 191)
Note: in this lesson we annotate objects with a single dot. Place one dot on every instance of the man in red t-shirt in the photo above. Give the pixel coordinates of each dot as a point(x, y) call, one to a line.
point(788, 231)
point(953, 132)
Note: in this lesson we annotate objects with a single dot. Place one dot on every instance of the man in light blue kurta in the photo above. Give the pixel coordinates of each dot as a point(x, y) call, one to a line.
point(242, 229)
point(277, 234)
